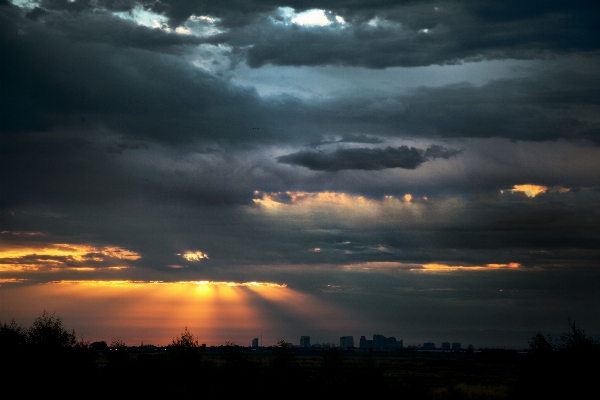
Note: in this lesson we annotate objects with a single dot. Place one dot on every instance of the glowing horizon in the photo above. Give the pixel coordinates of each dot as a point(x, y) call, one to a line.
point(156, 311)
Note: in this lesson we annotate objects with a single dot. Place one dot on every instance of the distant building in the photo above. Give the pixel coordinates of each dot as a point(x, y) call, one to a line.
point(456, 346)
point(255, 343)
point(380, 342)
point(470, 347)
point(391, 342)
point(365, 344)
point(305, 342)
point(429, 346)
point(446, 346)
point(346, 342)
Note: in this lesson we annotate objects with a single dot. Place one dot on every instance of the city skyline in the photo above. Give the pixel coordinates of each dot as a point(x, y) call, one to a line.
point(429, 168)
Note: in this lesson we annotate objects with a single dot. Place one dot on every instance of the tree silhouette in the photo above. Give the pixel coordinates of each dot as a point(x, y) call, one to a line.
point(47, 331)
point(575, 342)
point(185, 354)
point(563, 368)
point(12, 336)
point(234, 359)
point(185, 340)
point(284, 364)
point(540, 346)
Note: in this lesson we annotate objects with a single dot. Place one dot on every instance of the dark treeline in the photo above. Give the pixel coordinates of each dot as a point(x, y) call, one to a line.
point(563, 367)
point(50, 359)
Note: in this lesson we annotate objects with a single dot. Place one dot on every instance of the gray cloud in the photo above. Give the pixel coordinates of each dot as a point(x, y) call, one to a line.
point(437, 151)
point(410, 33)
point(98, 71)
point(539, 108)
point(366, 158)
point(51, 80)
point(416, 34)
point(359, 139)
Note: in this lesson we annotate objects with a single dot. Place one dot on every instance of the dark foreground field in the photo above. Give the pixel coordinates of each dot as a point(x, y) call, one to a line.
point(47, 360)
point(280, 372)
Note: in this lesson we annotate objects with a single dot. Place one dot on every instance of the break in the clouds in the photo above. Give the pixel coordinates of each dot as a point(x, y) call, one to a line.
point(366, 158)
point(418, 165)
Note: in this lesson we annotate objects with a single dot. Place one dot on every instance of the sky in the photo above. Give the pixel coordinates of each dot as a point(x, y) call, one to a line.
point(428, 170)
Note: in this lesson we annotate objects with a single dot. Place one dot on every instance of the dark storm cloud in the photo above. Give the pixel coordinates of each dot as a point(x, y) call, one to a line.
point(103, 27)
point(409, 33)
point(84, 70)
point(60, 170)
point(365, 158)
point(538, 108)
point(53, 77)
point(419, 35)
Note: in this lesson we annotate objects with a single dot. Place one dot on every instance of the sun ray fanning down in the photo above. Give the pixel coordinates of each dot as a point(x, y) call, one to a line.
point(154, 311)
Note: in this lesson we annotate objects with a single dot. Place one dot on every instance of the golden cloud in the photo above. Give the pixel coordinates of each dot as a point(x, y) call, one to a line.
point(312, 208)
point(12, 280)
point(194, 255)
point(446, 267)
point(432, 267)
point(62, 257)
point(533, 190)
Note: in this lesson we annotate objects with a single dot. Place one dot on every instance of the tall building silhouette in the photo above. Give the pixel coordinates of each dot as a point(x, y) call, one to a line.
point(255, 343)
point(365, 344)
point(305, 342)
point(346, 342)
point(379, 341)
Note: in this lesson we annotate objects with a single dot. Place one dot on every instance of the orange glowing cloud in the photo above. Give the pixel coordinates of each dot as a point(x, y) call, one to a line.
point(445, 267)
point(534, 190)
point(30, 257)
point(194, 255)
point(529, 190)
point(389, 266)
point(348, 209)
point(12, 280)
point(307, 199)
